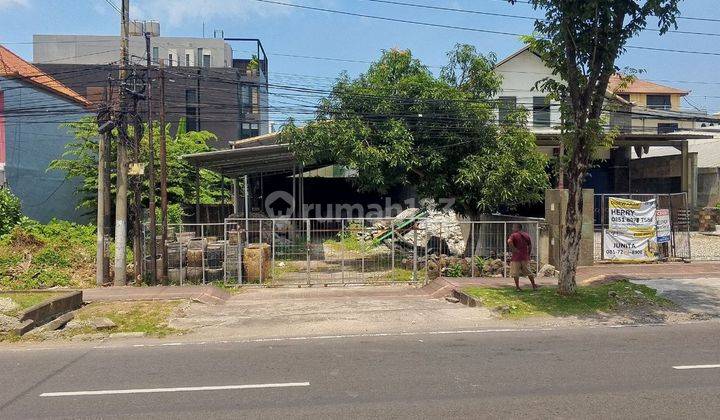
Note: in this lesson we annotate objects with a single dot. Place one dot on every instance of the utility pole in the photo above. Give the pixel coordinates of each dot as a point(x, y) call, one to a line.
point(122, 162)
point(163, 176)
point(151, 166)
point(104, 121)
point(137, 190)
point(106, 178)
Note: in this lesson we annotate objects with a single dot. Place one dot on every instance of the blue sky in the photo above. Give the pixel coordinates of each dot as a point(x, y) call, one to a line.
point(288, 30)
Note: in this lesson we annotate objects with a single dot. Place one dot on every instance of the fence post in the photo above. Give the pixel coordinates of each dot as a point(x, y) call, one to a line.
point(240, 259)
point(415, 253)
point(672, 228)
point(537, 248)
point(307, 249)
point(427, 270)
point(342, 250)
point(362, 251)
point(272, 268)
point(602, 228)
point(392, 250)
point(472, 249)
point(262, 258)
point(225, 251)
point(687, 226)
point(504, 256)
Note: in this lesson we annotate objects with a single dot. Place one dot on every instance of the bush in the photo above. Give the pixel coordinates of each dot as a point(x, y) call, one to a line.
point(37, 256)
point(10, 214)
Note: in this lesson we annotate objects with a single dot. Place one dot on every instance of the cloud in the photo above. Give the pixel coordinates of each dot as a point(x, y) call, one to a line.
point(176, 13)
point(6, 4)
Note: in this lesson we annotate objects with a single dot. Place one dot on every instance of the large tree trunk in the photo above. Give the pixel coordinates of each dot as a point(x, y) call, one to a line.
point(573, 218)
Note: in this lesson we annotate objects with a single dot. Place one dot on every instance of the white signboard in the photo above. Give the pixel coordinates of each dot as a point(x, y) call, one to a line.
point(633, 245)
point(664, 231)
point(625, 214)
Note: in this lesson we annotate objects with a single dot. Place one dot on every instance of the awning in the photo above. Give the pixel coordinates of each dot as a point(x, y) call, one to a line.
point(234, 163)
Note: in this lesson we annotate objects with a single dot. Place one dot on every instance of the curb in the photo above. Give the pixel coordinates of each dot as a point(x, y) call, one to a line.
point(46, 311)
point(466, 299)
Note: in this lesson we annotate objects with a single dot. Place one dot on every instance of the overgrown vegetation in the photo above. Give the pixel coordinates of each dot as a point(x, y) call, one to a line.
point(39, 256)
point(10, 214)
point(587, 301)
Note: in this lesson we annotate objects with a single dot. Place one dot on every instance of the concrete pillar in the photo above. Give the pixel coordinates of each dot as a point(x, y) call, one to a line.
point(556, 202)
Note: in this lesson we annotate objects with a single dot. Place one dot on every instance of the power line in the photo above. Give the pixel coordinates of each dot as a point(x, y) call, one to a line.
point(506, 15)
point(461, 28)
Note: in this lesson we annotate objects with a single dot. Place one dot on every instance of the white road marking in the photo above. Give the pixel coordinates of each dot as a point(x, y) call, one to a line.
point(696, 367)
point(181, 389)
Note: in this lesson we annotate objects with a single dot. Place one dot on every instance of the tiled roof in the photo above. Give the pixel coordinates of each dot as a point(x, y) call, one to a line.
point(642, 86)
point(12, 66)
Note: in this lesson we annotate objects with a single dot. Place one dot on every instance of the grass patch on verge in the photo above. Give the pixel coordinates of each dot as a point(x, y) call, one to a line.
point(149, 317)
point(588, 300)
point(26, 300)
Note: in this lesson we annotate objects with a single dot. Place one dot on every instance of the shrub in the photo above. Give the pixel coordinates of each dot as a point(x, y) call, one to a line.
point(10, 213)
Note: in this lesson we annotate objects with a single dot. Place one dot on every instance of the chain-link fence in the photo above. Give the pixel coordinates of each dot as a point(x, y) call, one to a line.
point(679, 247)
point(284, 252)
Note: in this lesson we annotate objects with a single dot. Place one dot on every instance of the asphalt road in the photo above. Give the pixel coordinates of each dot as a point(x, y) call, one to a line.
point(565, 373)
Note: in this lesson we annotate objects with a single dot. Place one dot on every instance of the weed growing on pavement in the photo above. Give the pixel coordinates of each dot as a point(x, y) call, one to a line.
point(588, 300)
point(150, 317)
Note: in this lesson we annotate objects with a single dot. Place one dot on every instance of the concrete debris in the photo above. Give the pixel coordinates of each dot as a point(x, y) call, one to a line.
point(98, 324)
point(452, 299)
point(8, 323)
point(58, 322)
point(548, 270)
point(7, 305)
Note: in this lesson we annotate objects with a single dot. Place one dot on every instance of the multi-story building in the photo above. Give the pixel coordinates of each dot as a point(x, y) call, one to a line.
point(206, 85)
point(644, 115)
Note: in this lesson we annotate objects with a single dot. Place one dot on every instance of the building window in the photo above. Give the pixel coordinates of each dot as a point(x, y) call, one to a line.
point(173, 59)
point(255, 100)
point(192, 117)
point(541, 111)
point(250, 130)
point(189, 58)
point(625, 96)
point(245, 96)
point(156, 54)
point(667, 128)
point(207, 60)
point(659, 102)
point(506, 105)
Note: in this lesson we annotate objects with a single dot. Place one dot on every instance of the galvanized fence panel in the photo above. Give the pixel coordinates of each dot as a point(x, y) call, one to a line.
point(298, 252)
point(679, 247)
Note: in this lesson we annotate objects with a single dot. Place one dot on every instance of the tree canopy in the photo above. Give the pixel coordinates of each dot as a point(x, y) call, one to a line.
point(399, 124)
point(80, 161)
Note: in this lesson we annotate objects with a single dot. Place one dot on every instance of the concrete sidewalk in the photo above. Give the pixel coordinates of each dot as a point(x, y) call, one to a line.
point(202, 293)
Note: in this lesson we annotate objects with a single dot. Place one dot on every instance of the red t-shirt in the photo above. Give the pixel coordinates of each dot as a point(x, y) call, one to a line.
point(521, 243)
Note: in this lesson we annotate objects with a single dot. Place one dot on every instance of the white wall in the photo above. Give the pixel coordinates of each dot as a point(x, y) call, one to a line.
point(519, 77)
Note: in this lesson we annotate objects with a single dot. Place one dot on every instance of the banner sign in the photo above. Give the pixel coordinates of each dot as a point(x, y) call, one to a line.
point(632, 245)
point(624, 213)
point(664, 231)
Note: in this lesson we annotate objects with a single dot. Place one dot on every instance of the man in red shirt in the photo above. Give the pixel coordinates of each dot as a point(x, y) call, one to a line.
point(520, 244)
